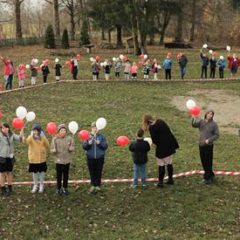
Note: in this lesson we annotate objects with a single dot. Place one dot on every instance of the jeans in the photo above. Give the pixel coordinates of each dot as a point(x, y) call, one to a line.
point(212, 73)
point(139, 170)
point(62, 174)
point(9, 82)
point(206, 155)
point(95, 167)
point(182, 72)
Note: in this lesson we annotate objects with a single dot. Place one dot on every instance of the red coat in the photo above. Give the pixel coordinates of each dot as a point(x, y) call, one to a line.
point(7, 67)
point(231, 60)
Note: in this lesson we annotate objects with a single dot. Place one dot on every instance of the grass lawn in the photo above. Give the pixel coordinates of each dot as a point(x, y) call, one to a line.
point(187, 210)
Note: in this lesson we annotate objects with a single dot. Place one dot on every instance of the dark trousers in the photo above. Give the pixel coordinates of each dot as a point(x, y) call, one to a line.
point(168, 74)
point(221, 73)
point(45, 78)
point(212, 73)
point(62, 174)
point(95, 167)
point(204, 71)
point(9, 82)
point(206, 155)
point(75, 72)
point(161, 173)
point(117, 74)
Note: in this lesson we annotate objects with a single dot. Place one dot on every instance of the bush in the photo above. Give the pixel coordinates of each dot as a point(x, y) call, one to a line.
point(49, 38)
point(65, 41)
point(84, 36)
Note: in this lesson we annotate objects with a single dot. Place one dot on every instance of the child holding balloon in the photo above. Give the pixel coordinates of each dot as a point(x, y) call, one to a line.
point(58, 68)
point(21, 75)
point(95, 147)
point(62, 147)
point(139, 149)
point(38, 146)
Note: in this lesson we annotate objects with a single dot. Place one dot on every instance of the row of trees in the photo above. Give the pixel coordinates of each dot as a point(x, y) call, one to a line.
point(144, 20)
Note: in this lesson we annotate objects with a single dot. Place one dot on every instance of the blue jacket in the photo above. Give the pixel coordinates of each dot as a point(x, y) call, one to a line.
point(205, 60)
point(221, 63)
point(94, 150)
point(167, 64)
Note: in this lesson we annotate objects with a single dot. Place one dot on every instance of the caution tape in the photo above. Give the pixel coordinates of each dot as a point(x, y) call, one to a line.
point(127, 180)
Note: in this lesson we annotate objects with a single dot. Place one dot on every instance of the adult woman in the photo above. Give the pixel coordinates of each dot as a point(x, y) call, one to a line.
point(95, 148)
point(166, 145)
point(7, 157)
point(208, 131)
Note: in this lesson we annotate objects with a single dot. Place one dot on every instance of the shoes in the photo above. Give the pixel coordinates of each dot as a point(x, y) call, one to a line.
point(97, 189)
point(134, 186)
point(144, 186)
point(160, 184)
point(35, 189)
point(41, 189)
point(92, 190)
point(65, 191)
point(59, 192)
point(170, 182)
point(207, 181)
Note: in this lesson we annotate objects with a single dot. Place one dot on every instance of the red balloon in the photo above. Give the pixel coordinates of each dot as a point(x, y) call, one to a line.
point(195, 111)
point(1, 114)
point(84, 135)
point(51, 128)
point(123, 141)
point(18, 123)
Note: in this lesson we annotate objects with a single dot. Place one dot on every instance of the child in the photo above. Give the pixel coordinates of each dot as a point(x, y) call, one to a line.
point(6, 69)
point(57, 67)
point(34, 71)
point(233, 64)
point(154, 69)
point(21, 75)
point(117, 68)
point(133, 70)
point(213, 65)
point(95, 70)
point(167, 65)
point(127, 67)
point(62, 147)
point(107, 67)
point(139, 149)
point(221, 65)
point(74, 68)
point(95, 148)
point(37, 154)
point(182, 61)
point(146, 68)
point(45, 71)
point(205, 62)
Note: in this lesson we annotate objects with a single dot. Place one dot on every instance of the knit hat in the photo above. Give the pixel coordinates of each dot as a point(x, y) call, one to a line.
point(36, 126)
point(61, 126)
point(93, 124)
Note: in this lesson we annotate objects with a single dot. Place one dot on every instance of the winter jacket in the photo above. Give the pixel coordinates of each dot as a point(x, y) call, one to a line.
point(45, 70)
point(154, 68)
point(94, 150)
point(6, 144)
point(207, 130)
point(34, 72)
point(37, 149)
point(233, 63)
point(221, 64)
point(127, 67)
point(118, 66)
point(107, 68)
point(21, 74)
point(146, 69)
point(62, 149)
point(139, 149)
point(167, 64)
point(162, 137)
point(205, 60)
point(6, 68)
point(213, 63)
point(183, 61)
point(134, 69)
point(58, 69)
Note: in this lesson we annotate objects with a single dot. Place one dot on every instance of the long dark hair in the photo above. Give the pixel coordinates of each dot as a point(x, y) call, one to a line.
point(6, 125)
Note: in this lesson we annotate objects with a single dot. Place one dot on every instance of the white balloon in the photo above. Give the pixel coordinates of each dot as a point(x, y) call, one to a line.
point(73, 127)
point(228, 48)
point(205, 45)
point(27, 66)
point(145, 56)
point(121, 56)
point(36, 61)
point(210, 51)
point(56, 60)
point(21, 112)
point(149, 140)
point(190, 104)
point(102, 64)
point(159, 67)
point(114, 59)
point(30, 116)
point(92, 59)
point(101, 123)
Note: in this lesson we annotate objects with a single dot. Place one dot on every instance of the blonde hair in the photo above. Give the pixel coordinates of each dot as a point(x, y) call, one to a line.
point(146, 121)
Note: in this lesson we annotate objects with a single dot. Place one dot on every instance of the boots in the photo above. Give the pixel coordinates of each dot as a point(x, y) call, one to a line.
point(4, 190)
point(170, 174)
point(161, 174)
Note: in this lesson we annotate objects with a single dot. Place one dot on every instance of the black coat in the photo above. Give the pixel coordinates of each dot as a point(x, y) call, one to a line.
point(162, 137)
point(58, 69)
point(139, 149)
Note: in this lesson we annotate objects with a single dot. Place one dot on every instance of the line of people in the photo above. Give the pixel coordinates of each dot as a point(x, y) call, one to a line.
point(63, 146)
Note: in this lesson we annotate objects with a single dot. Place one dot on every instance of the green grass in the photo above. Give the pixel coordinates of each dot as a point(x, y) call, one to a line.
point(187, 210)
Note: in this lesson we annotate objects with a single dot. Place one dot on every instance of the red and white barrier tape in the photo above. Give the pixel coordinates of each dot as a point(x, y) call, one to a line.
point(124, 180)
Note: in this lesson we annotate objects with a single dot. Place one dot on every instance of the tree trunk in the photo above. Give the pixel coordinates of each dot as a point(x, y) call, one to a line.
point(151, 39)
point(119, 34)
point(56, 18)
point(109, 36)
point(167, 17)
point(18, 19)
point(193, 20)
point(72, 22)
point(103, 35)
point(179, 31)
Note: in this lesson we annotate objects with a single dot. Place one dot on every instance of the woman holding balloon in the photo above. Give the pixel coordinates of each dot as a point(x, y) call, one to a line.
point(7, 139)
point(208, 134)
point(166, 145)
point(95, 147)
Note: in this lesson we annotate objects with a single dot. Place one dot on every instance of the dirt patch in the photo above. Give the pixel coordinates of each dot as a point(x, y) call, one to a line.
point(225, 104)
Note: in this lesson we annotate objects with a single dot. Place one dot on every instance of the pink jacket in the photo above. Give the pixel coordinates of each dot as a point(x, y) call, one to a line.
point(21, 74)
point(134, 69)
point(7, 70)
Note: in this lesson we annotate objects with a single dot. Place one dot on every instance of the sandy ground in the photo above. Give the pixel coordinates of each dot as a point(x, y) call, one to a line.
point(225, 103)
